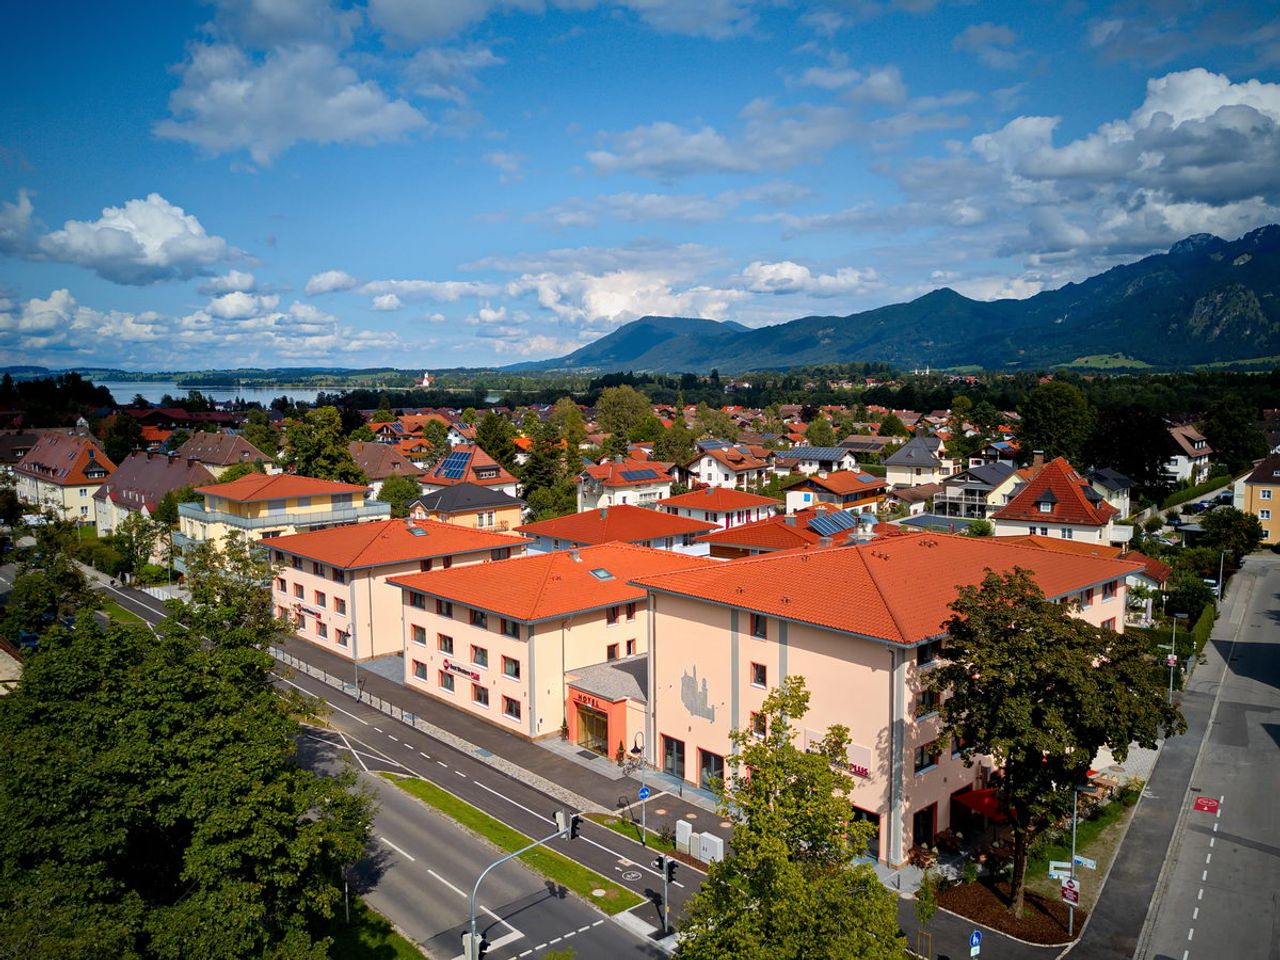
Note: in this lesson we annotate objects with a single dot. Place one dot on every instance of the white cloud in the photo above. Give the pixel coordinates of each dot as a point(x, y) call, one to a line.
point(993, 44)
point(788, 277)
point(239, 305)
point(330, 281)
point(509, 165)
point(268, 23)
point(144, 241)
point(439, 291)
point(448, 73)
point(386, 302)
point(229, 101)
point(231, 281)
point(16, 224)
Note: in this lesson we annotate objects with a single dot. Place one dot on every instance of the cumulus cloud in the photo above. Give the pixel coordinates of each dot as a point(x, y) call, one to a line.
point(448, 73)
point(993, 44)
point(267, 23)
point(16, 224)
point(510, 166)
point(230, 101)
point(330, 281)
point(386, 302)
point(439, 291)
point(231, 281)
point(788, 277)
point(238, 305)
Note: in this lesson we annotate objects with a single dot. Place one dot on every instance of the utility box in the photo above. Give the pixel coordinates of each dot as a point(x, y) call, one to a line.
point(684, 835)
point(712, 848)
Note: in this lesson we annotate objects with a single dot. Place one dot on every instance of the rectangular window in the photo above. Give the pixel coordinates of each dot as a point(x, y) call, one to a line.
point(759, 675)
point(611, 616)
point(511, 708)
point(420, 636)
point(631, 611)
point(927, 756)
point(1264, 494)
point(511, 668)
point(444, 608)
point(479, 695)
point(1067, 533)
point(321, 599)
point(926, 653)
point(419, 601)
point(1086, 598)
point(958, 745)
point(631, 647)
point(317, 569)
point(611, 652)
point(339, 576)
point(426, 565)
point(480, 619)
point(1264, 514)
point(446, 562)
point(297, 563)
point(279, 556)
point(759, 626)
point(340, 606)
point(673, 757)
point(298, 591)
point(322, 630)
point(419, 670)
point(1109, 624)
point(343, 637)
point(1109, 591)
point(445, 681)
point(444, 643)
point(281, 586)
point(501, 553)
point(510, 628)
point(479, 656)
point(927, 702)
point(757, 725)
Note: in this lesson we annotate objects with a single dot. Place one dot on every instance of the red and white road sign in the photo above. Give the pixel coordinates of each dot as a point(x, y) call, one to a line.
point(1206, 805)
point(1070, 891)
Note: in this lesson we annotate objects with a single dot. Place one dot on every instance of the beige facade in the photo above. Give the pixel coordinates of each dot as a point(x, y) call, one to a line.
point(73, 502)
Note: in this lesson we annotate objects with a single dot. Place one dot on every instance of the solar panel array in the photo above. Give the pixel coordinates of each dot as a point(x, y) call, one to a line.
point(454, 466)
point(713, 444)
point(639, 475)
point(829, 524)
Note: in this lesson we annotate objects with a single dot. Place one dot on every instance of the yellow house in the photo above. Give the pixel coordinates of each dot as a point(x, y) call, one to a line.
point(470, 505)
point(61, 473)
point(1261, 491)
point(277, 505)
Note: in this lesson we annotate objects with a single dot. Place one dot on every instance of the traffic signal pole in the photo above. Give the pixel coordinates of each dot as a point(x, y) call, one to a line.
point(665, 865)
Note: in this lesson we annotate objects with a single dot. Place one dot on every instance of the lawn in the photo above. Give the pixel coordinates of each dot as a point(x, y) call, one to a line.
point(1107, 361)
point(631, 830)
point(1098, 839)
point(369, 937)
point(552, 865)
point(119, 613)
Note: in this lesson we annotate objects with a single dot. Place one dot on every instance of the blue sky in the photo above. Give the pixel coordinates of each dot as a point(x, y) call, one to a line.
point(470, 182)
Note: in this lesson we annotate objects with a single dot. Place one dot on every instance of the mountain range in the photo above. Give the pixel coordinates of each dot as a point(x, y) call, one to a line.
point(1205, 301)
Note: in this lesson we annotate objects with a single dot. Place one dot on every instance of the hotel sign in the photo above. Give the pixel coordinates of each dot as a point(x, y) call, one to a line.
point(859, 761)
point(472, 675)
point(587, 700)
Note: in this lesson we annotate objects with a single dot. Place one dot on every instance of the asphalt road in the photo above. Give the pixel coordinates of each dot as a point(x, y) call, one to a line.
point(1220, 892)
point(420, 867)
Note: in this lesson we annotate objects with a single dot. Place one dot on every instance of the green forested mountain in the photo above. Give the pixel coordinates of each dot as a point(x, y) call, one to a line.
point(1206, 301)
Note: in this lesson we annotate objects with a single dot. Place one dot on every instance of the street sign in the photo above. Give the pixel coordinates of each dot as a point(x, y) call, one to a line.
point(644, 793)
point(1071, 891)
point(1171, 660)
point(1059, 869)
point(1206, 805)
point(975, 943)
point(1083, 861)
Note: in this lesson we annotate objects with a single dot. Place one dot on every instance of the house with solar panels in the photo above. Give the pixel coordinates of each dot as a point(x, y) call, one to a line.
point(467, 463)
point(639, 483)
point(846, 489)
point(819, 460)
point(720, 463)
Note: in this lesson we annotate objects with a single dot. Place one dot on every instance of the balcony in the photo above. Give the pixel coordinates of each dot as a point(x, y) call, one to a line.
point(964, 504)
point(373, 510)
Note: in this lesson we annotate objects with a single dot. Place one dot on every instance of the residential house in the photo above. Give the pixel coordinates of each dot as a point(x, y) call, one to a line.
point(467, 463)
point(1114, 487)
point(1189, 454)
point(460, 433)
point(1260, 495)
point(721, 506)
point(977, 492)
point(921, 460)
point(1058, 502)
point(14, 445)
point(915, 499)
point(470, 505)
point(723, 464)
point(509, 641)
point(221, 451)
point(998, 451)
point(140, 483)
point(811, 460)
point(620, 523)
point(1152, 575)
point(636, 482)
point(378, 461)
point(821, 525)
point(61, 473)
point(846, 489)
point(863, 625)
point(862, 445)
point(333, 584)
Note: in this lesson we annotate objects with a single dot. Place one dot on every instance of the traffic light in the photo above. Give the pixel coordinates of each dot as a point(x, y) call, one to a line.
point(474, 949)
point(666, 866)
point(670, 869)
point(568, 823)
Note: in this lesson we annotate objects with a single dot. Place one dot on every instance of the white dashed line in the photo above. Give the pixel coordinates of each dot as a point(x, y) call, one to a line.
point(1200, 895)
point(1211, 840)
point(398, 850)
point(443, 764)
point(584, 929)
point(379, 729)
point(1204, 875)
point(461, 774)
point(423, 755)
point(392, 736)
point(445, 882)
point(1208, 857)
point(512, 802)
point(1195, 914)
point(1191, 933)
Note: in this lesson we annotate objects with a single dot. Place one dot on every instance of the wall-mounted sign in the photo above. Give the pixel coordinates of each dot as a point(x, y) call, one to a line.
point(859, 760)
point(463, 671)
point(586, 700)
point(300, 609)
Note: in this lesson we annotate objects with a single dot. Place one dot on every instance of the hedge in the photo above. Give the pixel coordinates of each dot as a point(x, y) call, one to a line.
point(1199, 490)
point(1204, 627)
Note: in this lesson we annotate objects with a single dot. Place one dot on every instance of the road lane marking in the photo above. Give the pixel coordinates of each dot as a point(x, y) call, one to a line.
point(443, 764)
point(392, 736)
point(1191, 933)
point(423, 755)
point(1204, 875)
point(407, 856)
point(445, 882)
point(1208, 857)
point(1195, 914)
point(363, 766)
point(1211, 840)
point(379, 729)
point(512, 802)
point(310, 694)
point(1200, 895)
point(461, 774)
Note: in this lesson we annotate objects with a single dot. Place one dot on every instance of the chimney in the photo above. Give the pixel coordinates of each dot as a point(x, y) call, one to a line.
point(824, 541)
point(604, 512)
point(791, 521)
point(1037, 458)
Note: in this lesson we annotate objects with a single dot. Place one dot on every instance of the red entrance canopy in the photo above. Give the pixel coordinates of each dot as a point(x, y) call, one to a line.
point(984, 802)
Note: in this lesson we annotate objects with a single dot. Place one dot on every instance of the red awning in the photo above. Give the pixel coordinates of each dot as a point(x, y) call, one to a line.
point(984, 802)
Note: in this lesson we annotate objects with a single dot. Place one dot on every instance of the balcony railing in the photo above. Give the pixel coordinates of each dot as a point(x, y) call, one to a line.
point(373, 510)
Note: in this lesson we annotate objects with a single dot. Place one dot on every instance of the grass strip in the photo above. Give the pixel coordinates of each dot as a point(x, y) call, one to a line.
point(1086, 832)
point(631, 830)
point(368, 937)
point(552, 865)
point(119, 613)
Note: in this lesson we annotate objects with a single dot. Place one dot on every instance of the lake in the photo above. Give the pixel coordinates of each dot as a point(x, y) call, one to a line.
point(153, 390)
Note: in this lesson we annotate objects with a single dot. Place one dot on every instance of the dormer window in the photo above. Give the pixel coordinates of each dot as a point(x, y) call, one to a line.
point(1045, 506)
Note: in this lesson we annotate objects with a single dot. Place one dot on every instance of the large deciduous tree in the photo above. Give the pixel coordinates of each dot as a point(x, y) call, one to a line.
point(791, 888)
point(1231, 427)
point(496, 436)
point(259, 432)
point(122, 436)
point(1231, 530)
point(675, 445)
point(621, 408)
point(1040, 691)
point(1056, 419)
point(1133, 439)
point(400, 491)
point(568, 421)
point(316, 446)
point(820, 433)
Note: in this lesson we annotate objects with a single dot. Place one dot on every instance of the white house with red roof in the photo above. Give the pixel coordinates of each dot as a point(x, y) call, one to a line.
point(723, 464)
point(467, 463)
point(1059, 502)
point(621, 523)
point(636, 482)
point(723, 506)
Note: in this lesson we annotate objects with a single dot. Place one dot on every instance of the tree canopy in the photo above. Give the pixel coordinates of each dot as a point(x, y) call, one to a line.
point(400, 491)
point(1231, 427)
point(820, 433)
point(316, 446)
point(1056, 419)
point(496, 436)
point(621, 408)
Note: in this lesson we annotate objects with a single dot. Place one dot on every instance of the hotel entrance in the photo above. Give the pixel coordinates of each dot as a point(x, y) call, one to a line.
point(593, 729)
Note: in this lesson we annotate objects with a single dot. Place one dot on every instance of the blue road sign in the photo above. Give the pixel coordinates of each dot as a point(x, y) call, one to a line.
point(975, 938)
point(644, 793)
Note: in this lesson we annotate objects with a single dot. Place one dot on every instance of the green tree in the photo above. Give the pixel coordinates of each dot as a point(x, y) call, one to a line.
point(259, 432)
point(152, 801)
point(985, 417)
point(961, 409)
point(436, 434)
point(820, 433)
point(1231, 427)
point(400, 491)
point(1132, 439)
point(1232, 530)
point(123, 436)
point(892, 426)
point(676, 444)
point(1040, 691)
point(317, 447)
point(241, 469)
point(926, 902)
point(363, 433)
point(469, 416)
point(791, 887)
point(166, 511)
point(647, 428)
point(567, 419)
point(496, 436)
point(980, 528)
point(176, 439)
point(557, 500)
point(1186, 592)
point(544, 468)
point(614, 446)
point(1057, 419)
point(11, 508)
point(712, 422)
point(135, 540)
point(621, 408)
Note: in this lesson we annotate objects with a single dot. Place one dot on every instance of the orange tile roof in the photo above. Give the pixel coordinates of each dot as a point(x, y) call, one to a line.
point(847, 481)
point(719, 499)
point(610, 473)
point(622, 522)
point(731, 458)
point(775, 533)
point(278, 486)
point(1155, 569)
point(381, 542)
point(1069, 493)
point(65, 459)
point(480, 462)
point(545, 586)
point(895, 589)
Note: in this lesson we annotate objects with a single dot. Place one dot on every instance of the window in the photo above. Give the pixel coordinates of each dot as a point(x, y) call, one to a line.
point(321, 599)
point(340, 606)
point(502, 553)
point(444, 643)
point(1264, 514)
point(281, 586)
point(511, 708)
point(759, 626)
point(631, 647)
point(480, 619)
point(1264, 494)
point(279, 556)
point(297, 563)
point(759, 675)
point(445, 681)
point(927, 756)
point(419, 670)
point(958, 746)
point(420, 636)
point(1109, 624)
point(673, 757)
point(511, 668)
point(426, 565)
point(419, 601)
point(926, 653)
point(927, 703)
point(444, 608)
point(757, 725)
point(510, 628)
point(322, 630)
point(611, 652)
point(1086, 598)
point(1067, 533)
point(1109, 591)
point(710, 769)
point(339, 576)
point(317, 569)
point(298, 591)
point(1044, 531)
point(479, 656)
point(479, 695)
point(1045, 506)
point(343, 637)
point(631, 611)
point(447, 562)
point(611, 616)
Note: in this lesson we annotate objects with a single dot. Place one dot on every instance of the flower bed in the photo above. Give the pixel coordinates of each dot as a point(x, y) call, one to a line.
point(987, 902)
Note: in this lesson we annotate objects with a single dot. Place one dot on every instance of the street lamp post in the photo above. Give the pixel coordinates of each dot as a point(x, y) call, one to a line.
point(637, 753)
point(1173, 652)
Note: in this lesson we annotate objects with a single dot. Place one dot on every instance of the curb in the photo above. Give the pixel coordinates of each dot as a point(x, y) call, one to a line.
point(1010, 936)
